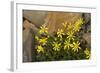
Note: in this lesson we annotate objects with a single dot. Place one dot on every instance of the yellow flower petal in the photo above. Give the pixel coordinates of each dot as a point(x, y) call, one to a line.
point(87, 53)
point(37, 38)
point(40, 49)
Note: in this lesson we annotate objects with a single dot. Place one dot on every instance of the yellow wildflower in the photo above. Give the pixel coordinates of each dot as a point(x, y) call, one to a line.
point(70, 35)
point(60, 33)
point(43, 41)
point(67, 44)
point(40, 49)
point(70, 27)
point(87, 53)
point(78, 24)
point(70, 32)
point(43, 29)
point(56, 46)
point(75, 46)
point(64, 24)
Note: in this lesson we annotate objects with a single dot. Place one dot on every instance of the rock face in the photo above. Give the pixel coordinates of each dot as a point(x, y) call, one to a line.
point(27, 42)
point(35, 17)
point(87, 37)
point(87, 17)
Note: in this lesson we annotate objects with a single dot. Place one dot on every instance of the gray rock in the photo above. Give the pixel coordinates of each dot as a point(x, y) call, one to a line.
point(36, 17)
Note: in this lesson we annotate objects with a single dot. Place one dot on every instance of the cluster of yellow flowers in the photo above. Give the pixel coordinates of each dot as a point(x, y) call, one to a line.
point(69, 43)
point(78, 24)
point(71, 29)
point(74, 46)
point(76, 27)
point(42, 41)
